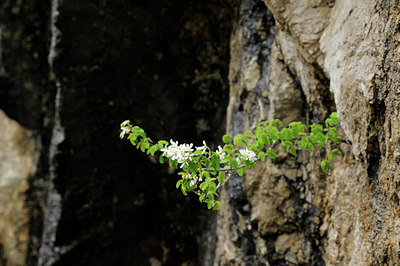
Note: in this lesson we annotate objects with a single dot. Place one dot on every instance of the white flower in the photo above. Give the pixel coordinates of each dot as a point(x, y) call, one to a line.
point(193, 183)
point(248, 155)
point(182, 153)
point(125, 123)
point(125, 130)
point(221, 154)
point(202, 148)
point(193, 179)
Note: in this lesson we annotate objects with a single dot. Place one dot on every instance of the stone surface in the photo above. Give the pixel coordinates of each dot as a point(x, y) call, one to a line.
point(18, 158)
point(325, 56)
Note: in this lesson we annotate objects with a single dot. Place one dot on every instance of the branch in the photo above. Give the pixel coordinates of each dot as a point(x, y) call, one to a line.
point(340, 139)
point(217, 188)
point(223, 169)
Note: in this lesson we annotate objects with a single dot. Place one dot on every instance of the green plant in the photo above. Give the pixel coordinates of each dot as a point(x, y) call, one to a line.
point(204, 171)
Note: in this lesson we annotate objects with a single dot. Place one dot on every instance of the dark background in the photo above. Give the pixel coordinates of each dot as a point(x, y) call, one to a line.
point(161, 64)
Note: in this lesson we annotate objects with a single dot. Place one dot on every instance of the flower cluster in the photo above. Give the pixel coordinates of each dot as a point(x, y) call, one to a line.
point(193, 179)
point(182, 153)
point(220, 152)
point(203, 148)
point(124, 128)
point(248, 155)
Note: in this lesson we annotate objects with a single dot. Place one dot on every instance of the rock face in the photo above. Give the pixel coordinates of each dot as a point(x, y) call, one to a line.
point(325, 55)
point(18, 159)
point(71, 193)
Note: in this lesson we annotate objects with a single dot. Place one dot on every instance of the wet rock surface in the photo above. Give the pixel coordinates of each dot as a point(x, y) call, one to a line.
point(163, 65)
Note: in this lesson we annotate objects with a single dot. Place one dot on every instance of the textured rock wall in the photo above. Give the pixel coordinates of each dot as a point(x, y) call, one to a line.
point(301, 60)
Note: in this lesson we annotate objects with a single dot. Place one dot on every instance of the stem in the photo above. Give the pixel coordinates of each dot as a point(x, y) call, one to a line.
point(218, 187)
point(223, 169)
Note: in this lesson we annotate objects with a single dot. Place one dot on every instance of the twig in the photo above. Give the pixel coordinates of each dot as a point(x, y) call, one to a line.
point(223, 169)
point(216, 189)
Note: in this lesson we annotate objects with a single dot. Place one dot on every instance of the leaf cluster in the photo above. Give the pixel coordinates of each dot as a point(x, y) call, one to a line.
point(205, 171)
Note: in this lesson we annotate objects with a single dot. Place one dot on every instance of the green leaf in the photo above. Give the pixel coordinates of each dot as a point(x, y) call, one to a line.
point(203, 186)
point(271, 154)
point(197, 152)
point(132, 140)
point(139, 131)
point(273, 132)
point(183, 191)
point(332, 135)
point(206, 174)
point(212, 187)
point(228, 148)
point(285, 146)
point(310, 147)
point(143, 147)
point(237, 140)
point(295, 132)
point(324, 165)
point(161, 160)
point(243, 138)
point(332, 120)
point(227, 138)
point(248, 133)
point(202, 196)
point(215, 162)
point(210, 196)
point(152, 150)
point(163, 142)
point(264, 139)
point(217, 205)
point(332, 154)
point(241, 171)
point(146, 145)
point(304, 143)
point(293, 150)
point(209, 204)
point(255, 144)
point(226, 159)
point(192, 167)
point(261, 156)
point(234, 163)
point(221, 177)
point(285, 134)
point(316, 128)
point(173, 163)
point(178, 183)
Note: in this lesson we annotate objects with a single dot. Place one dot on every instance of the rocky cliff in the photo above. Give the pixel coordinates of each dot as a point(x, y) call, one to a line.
point(71, 193)
point(313, 58)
